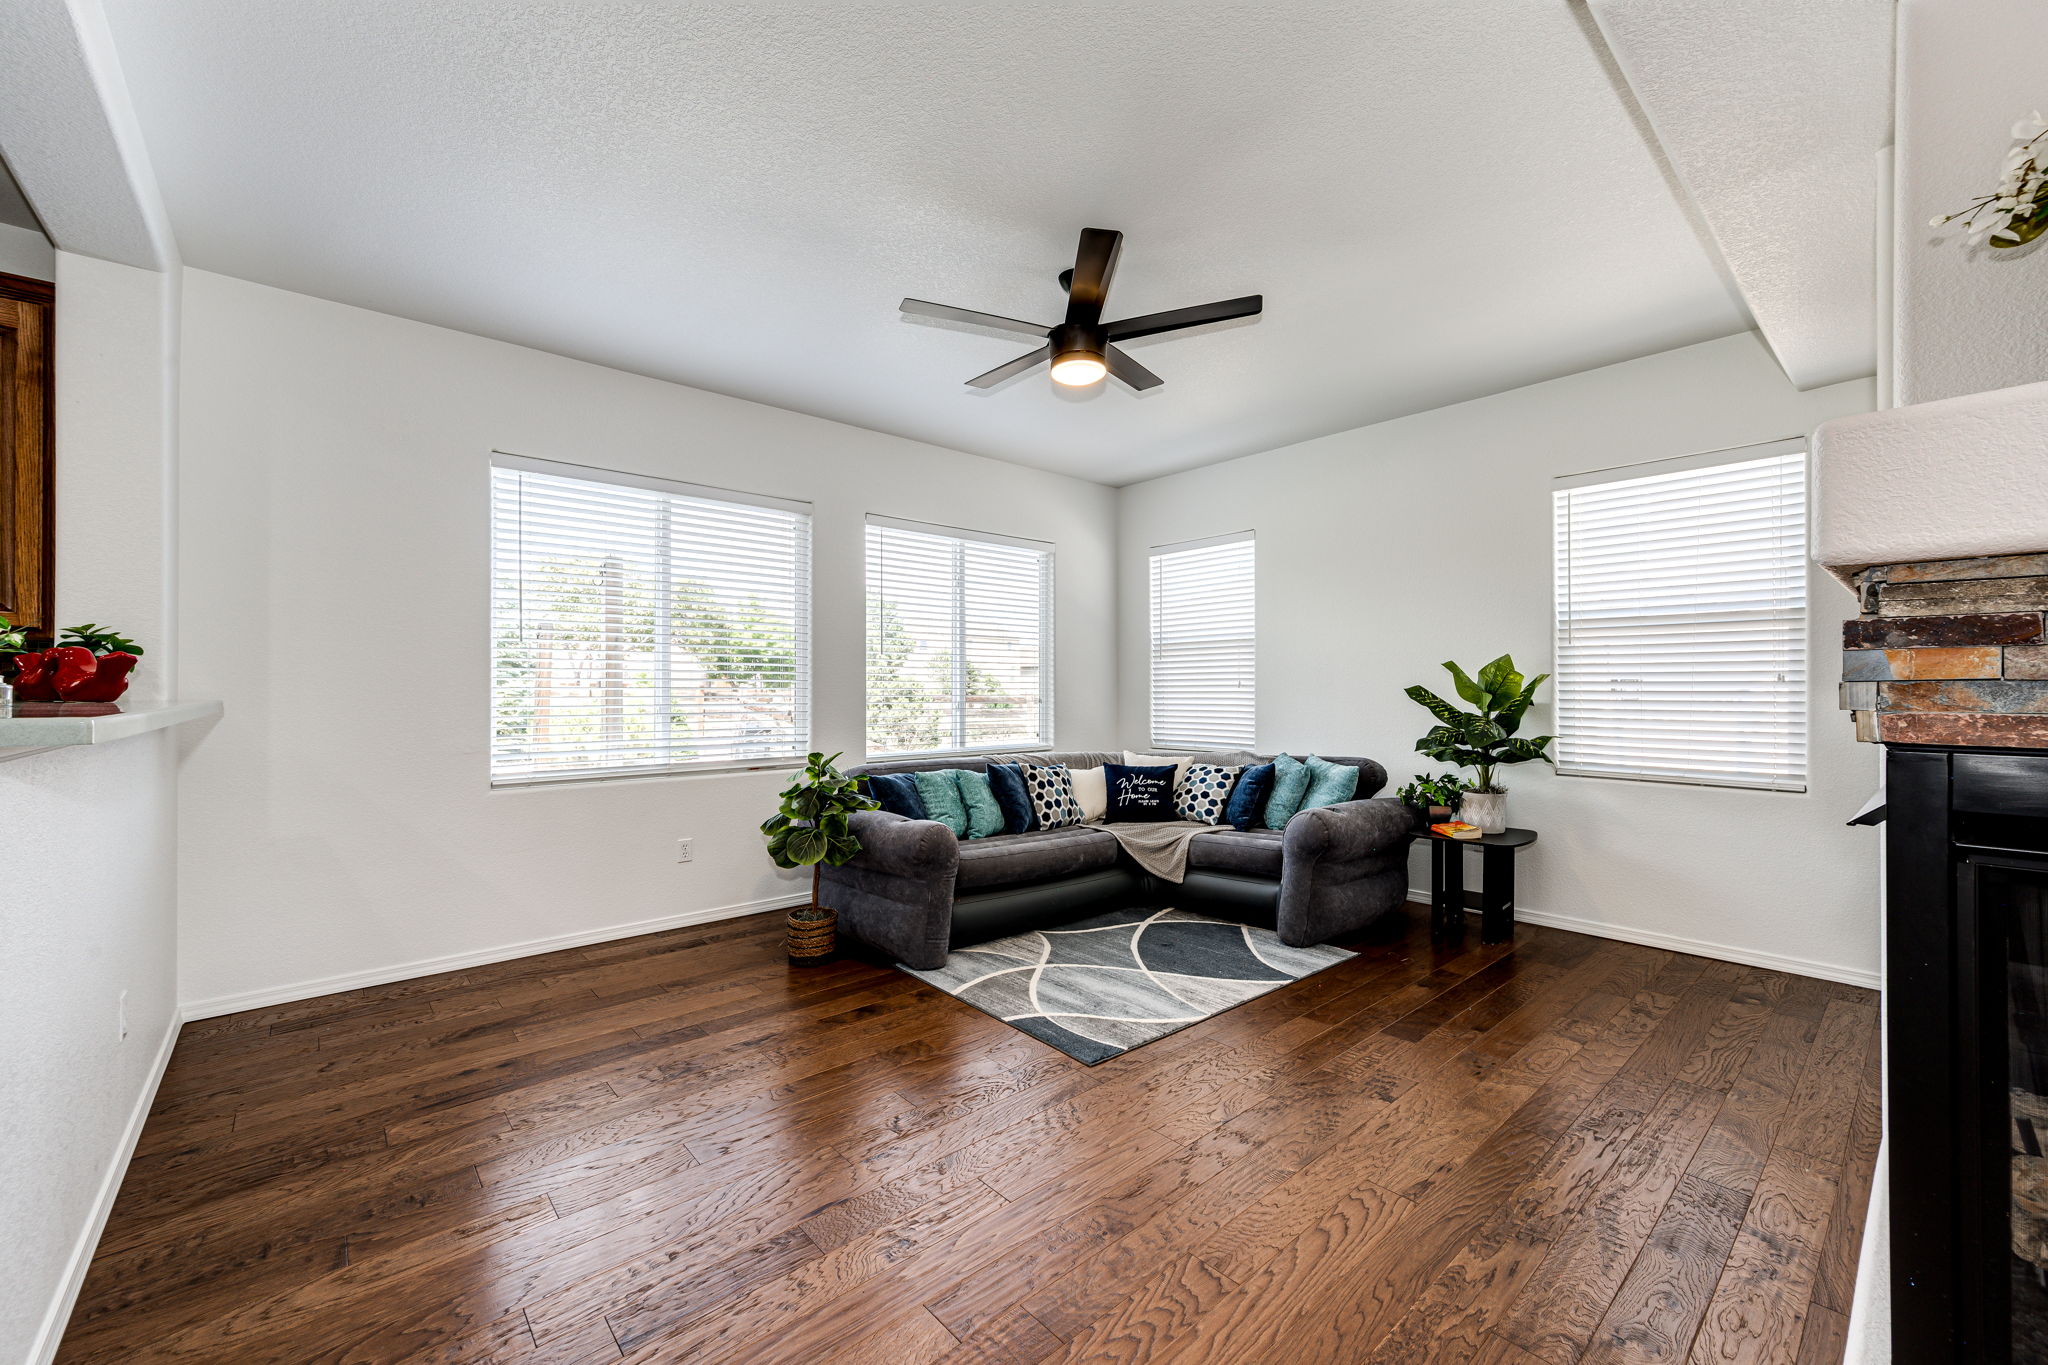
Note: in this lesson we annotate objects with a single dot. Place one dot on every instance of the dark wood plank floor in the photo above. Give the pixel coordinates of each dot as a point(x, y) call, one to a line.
point(674, 1148)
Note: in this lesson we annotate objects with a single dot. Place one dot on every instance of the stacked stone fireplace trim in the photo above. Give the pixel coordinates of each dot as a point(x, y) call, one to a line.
point(1950, 652)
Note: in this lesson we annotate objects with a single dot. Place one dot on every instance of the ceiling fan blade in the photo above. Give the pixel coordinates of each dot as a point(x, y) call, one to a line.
point(946, 312)
point(1010, 367)
point(1094, 263)
point(1175, 319)
point(1130, 371)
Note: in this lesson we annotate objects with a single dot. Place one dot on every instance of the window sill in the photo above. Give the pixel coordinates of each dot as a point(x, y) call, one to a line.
point(1728, 784)
point(789, 764)
point(920, 755)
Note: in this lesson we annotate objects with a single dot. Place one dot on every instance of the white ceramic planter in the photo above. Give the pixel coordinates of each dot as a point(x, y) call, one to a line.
point(1488, 810)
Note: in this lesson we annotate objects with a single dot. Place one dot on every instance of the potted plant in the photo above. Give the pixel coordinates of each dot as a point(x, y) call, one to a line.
point(811, 829)
point(1432, 800)
point(87, 666)
point(1483, 739)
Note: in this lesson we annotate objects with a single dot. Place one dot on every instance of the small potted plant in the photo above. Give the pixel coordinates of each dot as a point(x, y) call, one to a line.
point(811, 829)
point(1433, 800)
point(87, 667)
point(1483, 739)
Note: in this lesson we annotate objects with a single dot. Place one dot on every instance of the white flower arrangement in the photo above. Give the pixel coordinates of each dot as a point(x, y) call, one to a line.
point(2017, 211)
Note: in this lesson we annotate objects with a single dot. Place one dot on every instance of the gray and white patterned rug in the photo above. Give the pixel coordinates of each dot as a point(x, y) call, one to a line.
point(1107, 984)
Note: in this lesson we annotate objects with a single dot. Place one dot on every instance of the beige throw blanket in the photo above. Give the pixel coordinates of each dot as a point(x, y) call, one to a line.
point(1161, 848)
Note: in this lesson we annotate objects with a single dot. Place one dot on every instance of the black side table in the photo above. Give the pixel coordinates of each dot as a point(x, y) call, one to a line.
point(1496, 898)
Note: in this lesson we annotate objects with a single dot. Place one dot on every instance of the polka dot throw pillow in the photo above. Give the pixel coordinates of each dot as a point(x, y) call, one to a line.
point(1204, 791)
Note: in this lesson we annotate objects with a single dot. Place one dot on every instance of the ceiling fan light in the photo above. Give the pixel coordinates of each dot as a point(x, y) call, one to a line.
point(1078, 369)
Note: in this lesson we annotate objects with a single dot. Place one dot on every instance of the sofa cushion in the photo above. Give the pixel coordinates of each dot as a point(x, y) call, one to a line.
point(898, 794)
point(1203, 792)
point(1052, 796)
point(939, 789)
point(1041, 855)
point(1139, 795)
point(1006, 780)
point(1256, 852)
point(984, 814)
point(1290, 785)
point(1248, 798)
point(1329, 783)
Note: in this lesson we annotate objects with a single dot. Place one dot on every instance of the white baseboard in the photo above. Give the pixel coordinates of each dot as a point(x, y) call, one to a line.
point(59, 1315)
point(1797, 966)
point(329, 985)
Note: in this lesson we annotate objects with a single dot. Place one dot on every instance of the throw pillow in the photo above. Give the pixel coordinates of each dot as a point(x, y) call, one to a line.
point(1290, 784)
point(940, 792)
point(1091, 793)
point(1007, 781)
point(984, 813)
point(1180, 763)
point(1052, 796)
point(1203, 793)
point(1139, 794)
point(898, 794)
point(1329, 783)
point(1248, 800)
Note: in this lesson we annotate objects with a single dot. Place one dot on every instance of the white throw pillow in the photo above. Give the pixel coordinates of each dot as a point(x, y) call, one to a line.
point(1180, 764)
point(1091, 791)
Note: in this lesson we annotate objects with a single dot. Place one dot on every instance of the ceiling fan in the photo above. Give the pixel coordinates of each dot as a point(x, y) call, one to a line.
point(1083, 348)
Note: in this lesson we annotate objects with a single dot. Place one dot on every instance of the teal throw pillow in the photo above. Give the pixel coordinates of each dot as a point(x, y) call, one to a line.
point(939, 789)
point(984, 812)
point(1290, 785)
point(1329, 783)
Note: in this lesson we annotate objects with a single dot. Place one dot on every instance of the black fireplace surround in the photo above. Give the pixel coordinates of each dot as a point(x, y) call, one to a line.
point(1966, 998)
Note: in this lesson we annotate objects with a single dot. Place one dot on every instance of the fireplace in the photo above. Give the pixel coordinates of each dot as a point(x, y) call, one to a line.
point(1967, 1034)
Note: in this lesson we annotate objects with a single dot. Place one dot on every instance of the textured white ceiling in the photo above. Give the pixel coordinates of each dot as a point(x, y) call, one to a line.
point(1438, 198)
point(1772, 114)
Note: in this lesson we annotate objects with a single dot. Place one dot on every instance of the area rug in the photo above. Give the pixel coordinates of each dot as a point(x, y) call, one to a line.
point(1104, 985)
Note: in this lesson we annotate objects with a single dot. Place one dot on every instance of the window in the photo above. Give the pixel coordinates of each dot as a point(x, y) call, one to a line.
point(959, 640)
point(1681, 622)
point(1204, 663)
point(643, 626)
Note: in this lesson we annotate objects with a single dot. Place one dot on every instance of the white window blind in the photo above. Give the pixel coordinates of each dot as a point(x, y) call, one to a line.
point(1681, 623)
point(959, 648)
point(642, 626)
point(1204, 654)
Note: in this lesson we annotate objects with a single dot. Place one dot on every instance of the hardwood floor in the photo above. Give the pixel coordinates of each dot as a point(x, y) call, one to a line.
point(674, 1148)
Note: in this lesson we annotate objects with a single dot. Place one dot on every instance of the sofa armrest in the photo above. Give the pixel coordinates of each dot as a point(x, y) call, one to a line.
point(904, 847)
point(1348, 830)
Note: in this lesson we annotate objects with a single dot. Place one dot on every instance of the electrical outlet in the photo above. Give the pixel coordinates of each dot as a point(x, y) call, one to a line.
point(121, 1016)
point(686, 850)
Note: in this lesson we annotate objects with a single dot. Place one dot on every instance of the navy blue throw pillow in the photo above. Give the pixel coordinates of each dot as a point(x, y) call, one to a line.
point(1138, 794)
point(1007, 781)
point(898, 794)
point(1248, 801)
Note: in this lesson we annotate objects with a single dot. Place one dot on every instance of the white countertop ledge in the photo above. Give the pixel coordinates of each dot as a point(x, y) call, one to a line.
point(20, 735)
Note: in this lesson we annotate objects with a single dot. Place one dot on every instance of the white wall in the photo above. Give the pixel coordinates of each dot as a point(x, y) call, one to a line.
point(88, 834)
point(1967, 319)
point(1385, 550)
point(340, 826)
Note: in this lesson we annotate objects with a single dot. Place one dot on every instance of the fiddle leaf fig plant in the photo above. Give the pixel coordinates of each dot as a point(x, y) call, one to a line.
point(1483, 739)
point(812, 827)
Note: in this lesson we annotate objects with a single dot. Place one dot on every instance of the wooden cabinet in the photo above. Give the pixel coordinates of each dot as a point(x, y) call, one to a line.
point(27, 482)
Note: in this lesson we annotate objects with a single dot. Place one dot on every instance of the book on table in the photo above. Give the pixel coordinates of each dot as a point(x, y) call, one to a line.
point(1456, 829)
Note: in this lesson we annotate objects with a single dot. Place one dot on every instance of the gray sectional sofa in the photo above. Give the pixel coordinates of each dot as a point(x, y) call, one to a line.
point(917, 891)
